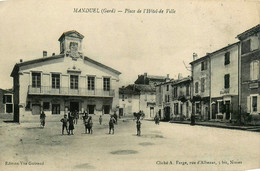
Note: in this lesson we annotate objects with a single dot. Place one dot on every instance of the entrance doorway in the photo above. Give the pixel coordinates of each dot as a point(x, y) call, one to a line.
point(167, 113)
point(227, 109)
point(74, 106)
point(106, 109)
point(121, 111)
point(151, 112)
point(9, 108)
point(91, 109)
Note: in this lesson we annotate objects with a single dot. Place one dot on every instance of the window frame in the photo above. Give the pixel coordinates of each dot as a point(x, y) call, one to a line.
point(106, 83)
point(91, 83)
point(36, 79)
point(227, 84)
point(227, 58)
point(74, 83)
point(55, 81)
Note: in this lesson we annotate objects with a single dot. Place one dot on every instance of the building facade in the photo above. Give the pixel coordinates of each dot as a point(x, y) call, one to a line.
point(250, 71)
point(164, 100)
point(66, 82)
point(224, 82)
point(6, 101)
point(200, 87)
point(181, 98)
point(136, 97)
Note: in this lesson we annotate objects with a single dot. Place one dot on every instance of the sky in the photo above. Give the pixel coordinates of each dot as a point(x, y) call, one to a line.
point(132, 43)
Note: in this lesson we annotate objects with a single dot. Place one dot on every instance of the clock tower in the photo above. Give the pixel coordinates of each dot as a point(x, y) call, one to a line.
point(71, 44)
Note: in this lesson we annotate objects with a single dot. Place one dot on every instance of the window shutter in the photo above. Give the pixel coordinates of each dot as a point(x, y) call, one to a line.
point(248, 104)
point(258, 103)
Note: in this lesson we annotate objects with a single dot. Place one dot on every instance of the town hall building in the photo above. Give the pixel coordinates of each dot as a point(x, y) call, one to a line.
point(66, 82)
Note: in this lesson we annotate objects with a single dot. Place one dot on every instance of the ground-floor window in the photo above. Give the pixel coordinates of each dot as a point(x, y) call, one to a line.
point(253, 104)
point(106, 109)
point(46, 105)
point(197, 107)
point(176, 109)
point(55, 108)
point(91, 109)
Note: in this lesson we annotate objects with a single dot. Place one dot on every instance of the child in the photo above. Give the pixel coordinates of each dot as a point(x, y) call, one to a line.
point(64, 124)
point(90, 124)
point(71, 125)
point(111, 124)
point(100, 119)
point(138, 126)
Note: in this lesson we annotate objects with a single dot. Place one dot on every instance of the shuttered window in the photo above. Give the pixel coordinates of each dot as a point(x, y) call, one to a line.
point(227, 58)
point(227, 81)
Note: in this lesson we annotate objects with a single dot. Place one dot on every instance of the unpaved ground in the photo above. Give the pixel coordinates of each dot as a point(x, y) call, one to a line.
point(160, 147)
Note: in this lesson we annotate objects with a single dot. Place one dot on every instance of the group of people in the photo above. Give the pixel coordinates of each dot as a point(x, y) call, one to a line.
point(87, 121)
point(72, 118)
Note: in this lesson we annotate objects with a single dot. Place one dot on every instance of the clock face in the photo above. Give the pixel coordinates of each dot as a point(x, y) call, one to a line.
point(74, 49)
point(73, 46)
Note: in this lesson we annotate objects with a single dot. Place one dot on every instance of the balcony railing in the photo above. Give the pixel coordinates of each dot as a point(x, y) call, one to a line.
point(66, 91)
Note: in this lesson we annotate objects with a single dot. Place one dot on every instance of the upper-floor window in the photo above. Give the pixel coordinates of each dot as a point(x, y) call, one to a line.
point(167, 87)
point(246, 46)
point(74, 81)
point(202, 84)
point(7, 99)
point(203, 65)
point(36, 80)
point(227, 81)
point(175, 93)
point(227, 58)
point(196, 87)
point(106, 84)
point(254, 70)
point(91, 83)
point(55, 81)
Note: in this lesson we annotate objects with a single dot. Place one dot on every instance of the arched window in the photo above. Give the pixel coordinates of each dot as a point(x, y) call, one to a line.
point(254, 70)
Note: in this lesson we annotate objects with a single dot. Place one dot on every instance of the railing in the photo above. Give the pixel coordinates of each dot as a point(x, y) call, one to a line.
point(66, 91)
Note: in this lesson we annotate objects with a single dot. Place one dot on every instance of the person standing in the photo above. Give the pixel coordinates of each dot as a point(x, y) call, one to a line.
point(85, 121)
point(138, 126)
point(90, 124)
point(64, 124)
point(100, 119)
point(76, 116)
point(115, 117)
point(111, 124)
point(42, 119)
point(71, 125)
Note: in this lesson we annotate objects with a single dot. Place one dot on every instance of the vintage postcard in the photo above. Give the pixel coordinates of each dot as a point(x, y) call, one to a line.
point(130, 85)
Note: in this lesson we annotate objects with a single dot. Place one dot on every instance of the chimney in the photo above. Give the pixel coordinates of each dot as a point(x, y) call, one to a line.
point(168, 76)
point(21, 60)
point(53, 54)
point(179, 76)
point(44, 53)
point(195, 56)
point(145, 76)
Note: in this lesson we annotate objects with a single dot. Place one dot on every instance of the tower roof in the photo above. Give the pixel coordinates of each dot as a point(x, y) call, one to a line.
point(71, 33)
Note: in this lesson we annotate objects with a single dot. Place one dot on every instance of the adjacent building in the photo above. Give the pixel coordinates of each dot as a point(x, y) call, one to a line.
point(136, 97)
point(250, 71)
point(150, 79)
point(6, 101)
point(200, 87)
point(66, 82)
point(181, 98)
point(164, 95)
point(224, 83)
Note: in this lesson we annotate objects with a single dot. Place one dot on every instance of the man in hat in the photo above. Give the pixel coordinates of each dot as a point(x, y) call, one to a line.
point(64, 124)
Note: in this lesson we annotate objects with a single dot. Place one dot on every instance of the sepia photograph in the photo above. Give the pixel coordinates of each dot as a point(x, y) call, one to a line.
point(130, 85)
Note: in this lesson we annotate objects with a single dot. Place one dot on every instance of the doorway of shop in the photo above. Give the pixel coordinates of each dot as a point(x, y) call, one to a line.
point(74, 106)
